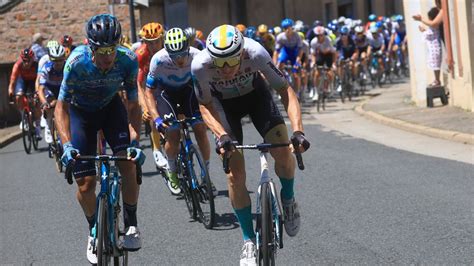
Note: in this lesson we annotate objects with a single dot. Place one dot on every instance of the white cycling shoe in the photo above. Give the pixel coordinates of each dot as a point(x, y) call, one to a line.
point(160, 160)
point(91, 256)
point(132, 240)
point(248, 257)
point(47, 136)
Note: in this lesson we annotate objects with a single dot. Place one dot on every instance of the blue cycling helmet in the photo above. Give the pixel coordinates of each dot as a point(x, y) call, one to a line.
point(372, 17)
point(103, 30)
point(287, 22)
point(344, 30)
point(399, 18)
point(379, 24)
point(250, 32)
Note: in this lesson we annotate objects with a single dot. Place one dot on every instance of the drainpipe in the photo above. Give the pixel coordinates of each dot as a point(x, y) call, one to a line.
point(447, 35)
point(132, 21)
point(458, 42)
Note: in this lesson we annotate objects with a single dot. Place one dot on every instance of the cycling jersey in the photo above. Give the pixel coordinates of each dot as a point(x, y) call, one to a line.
point(42, 61)
point(305, 49)
point(27, 74)
point(198, 44)
point(166, 75)
point(91, 89)
point(255, 61)
point(362, 44)
point(324, 47)
point(375, 41)
point(346, 51)
point(288, 47)
point(399, 35)
point(51, 79)
point(39, 51)
point(143, 57)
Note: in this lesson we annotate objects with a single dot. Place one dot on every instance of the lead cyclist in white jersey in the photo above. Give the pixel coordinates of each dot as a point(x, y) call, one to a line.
point(231, 81)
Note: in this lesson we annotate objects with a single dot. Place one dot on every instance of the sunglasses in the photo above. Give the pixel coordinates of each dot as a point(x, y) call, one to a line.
point(106, 50)
point(52, 59)
point(179, 55)
point(230, 61)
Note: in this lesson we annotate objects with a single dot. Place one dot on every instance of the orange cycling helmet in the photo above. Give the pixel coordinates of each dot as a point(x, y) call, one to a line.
point(151, 31)
point(262, 29)
point(200, 35)
point(241, 27)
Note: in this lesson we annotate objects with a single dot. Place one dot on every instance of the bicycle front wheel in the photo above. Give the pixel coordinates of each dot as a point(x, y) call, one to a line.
point(101, 233)
point(203, 189)
point(267, 248)
point(25, 131)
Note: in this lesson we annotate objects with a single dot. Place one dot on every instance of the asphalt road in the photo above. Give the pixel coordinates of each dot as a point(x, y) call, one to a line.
point(361, 203)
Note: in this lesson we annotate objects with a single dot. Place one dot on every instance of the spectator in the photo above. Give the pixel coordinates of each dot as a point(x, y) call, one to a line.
point(37, 46)
point(436, 22)
point(433, 40)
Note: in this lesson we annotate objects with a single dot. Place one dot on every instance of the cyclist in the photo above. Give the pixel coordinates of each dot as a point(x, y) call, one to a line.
point(362, 44)
point(372, 18)
point(88, 101)
point(376, 46)
point(152, 41)
point(169, 83)
point(267, 39)
point(195, 42)
point(305, 66)
point(22, 80)
point(398, 40)
point(241, 28)
point(322, 53)
point(50, 78)
point(288, 48)
point(67, 42)
point(233, 78)
point(346, 49)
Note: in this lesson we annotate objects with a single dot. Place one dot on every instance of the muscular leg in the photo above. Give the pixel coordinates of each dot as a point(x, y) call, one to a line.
point(86, 196)
point(200, 132)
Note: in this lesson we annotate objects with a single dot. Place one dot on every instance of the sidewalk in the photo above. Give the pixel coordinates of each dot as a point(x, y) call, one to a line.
point(9, 134)
point(393, 107)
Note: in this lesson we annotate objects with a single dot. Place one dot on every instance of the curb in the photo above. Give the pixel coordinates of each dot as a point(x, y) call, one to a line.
point(9, 138)
point(407, 126)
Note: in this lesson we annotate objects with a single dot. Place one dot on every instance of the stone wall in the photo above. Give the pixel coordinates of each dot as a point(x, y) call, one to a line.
point(53, 19)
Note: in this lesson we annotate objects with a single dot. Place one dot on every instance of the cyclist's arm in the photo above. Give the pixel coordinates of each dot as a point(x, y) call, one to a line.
point(212, 119)
point(13, 78)
point(141, 95)
point(275, 57)
point(151, 103)
point(61, 114)
point(292, 107)
point(133, 108)
point(40, 84)
point(134, 116)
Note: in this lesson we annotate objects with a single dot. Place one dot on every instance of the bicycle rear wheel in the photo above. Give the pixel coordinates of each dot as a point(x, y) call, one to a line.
point(58, 149)
point(34, 138)
point(185, 185)
point(203, 191)
point(25, 131)
point(101, 233)
point(267, 230)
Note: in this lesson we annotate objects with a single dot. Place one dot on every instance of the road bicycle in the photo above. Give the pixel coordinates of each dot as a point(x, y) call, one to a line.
point(323, 87)
point(270, 217)
point(27, 118)
point(107, 242)
point(55, 149)
point(346, 80)
point(193, 175)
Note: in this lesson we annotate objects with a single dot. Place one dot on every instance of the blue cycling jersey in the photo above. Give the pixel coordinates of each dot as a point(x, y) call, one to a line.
point(89, 88)
point(51, 78)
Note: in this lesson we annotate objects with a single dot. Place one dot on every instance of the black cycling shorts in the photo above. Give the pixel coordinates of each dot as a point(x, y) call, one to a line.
point(258, 104)
point(324, 59)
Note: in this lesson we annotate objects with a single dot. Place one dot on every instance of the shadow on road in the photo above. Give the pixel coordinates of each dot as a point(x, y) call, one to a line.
point(225, 221)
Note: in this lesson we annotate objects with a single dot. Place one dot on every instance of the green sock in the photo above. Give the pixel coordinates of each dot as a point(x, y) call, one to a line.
point(287, 192)
point(244, 216)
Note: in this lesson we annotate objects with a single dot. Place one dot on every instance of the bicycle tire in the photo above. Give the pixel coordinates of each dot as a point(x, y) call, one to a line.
point(267, 255)
point(204, 196)
point(186, 189)
point(25, 132)
point(101, 232)
point(34, 139)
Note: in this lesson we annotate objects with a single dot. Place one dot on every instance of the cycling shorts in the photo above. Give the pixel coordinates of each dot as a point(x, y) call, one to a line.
point(324, 59)
point(23, 86)
point(170, 103)
point(288, 54)
point(113, 121)
point(258, 104)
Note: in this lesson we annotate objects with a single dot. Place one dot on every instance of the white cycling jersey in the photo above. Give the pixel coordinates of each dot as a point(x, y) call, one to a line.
point(317, 47)
point(255, 61)
point(165, 74)
point(375, 40)
point(43, 60)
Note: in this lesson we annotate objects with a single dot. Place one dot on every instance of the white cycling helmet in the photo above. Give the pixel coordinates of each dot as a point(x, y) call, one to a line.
point(359, 29)
point(348, 22)
point(225, 41)
point(56, 51)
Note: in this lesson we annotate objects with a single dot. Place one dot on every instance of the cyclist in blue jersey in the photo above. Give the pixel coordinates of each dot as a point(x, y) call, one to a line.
point(288, 48)
point(398, 41)
point(88, 102)
point(50, 78)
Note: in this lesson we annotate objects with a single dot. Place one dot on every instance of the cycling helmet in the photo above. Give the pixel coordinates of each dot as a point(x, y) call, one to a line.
point(56, 51)
point(301, 35)
point(151, 31)
point(319, 30)
point(271, 31)
point(374, 29)
point(241, 27)
point(372, 17)
point(225, 41)
point(298, 27)
point(277, 30)
point(380, 18)
point(250, 32)
point(379, 24)
point(299, 22)
point(344, 30)
point(286, 23)
point(317, 23)
point(334, 21)
point(27, 54)
point(348, 22)
point(103, 30)
point(51, 44)
point(199, 35)
point(190, 33)
point(399, 18)
point(262, 29)
point(341, 20)
point(66, 40)
point(176, 41)
point(359, 29)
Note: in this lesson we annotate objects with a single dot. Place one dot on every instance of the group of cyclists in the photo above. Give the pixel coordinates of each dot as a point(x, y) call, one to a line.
point(110, 87)
point(379, 45)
